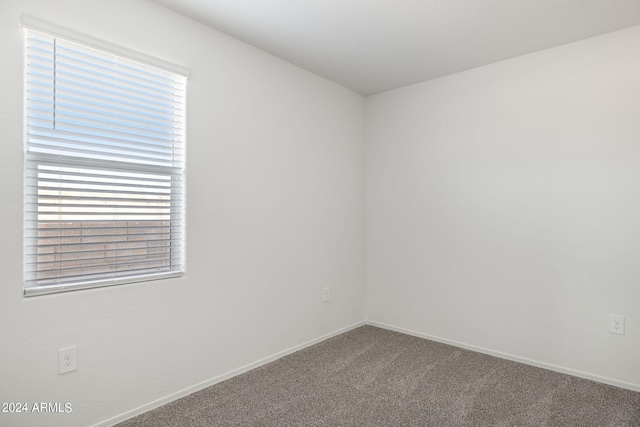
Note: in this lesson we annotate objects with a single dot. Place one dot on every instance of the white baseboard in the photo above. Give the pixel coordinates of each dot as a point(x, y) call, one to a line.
point(184, 392)
point(561, 369)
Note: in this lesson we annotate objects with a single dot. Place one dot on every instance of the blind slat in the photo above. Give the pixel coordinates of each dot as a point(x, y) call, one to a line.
point(82, 99)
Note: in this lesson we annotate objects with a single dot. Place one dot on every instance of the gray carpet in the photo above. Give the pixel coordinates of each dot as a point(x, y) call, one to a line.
point(374, 377)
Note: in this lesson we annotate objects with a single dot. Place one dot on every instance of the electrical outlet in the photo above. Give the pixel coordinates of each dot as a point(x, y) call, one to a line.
point(616, 324)
point(67, 360)
point(326, 295)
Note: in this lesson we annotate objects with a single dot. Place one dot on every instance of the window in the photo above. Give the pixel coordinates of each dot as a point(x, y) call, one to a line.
point(104, 168)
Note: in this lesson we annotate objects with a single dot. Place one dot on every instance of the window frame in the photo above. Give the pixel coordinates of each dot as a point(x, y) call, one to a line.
point(177, 213)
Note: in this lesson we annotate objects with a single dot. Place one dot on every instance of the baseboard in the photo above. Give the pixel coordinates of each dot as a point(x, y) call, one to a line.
point(561, 369)
point(184, 392)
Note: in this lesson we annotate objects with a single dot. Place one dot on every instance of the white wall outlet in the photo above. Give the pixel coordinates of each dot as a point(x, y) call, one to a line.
point(67, 360)
point(326, 294)
point(616, 324)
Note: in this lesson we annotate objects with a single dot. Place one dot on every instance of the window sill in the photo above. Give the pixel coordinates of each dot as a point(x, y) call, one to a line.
point(54, 289)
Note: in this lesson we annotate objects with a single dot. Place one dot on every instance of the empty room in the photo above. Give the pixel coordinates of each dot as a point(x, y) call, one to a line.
point(320, 213)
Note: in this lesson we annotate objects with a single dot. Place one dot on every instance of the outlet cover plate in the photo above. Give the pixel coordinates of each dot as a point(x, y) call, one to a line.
point(616, 324)
point(67, 360)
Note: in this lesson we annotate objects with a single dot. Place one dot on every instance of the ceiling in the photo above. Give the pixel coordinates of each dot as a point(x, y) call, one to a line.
point(371, 46)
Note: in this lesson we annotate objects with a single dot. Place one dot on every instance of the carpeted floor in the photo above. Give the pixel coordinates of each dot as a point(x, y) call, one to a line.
point(374, 377)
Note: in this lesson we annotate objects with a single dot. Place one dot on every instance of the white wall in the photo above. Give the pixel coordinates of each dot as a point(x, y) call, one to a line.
point(275, 213)
point(503, 207)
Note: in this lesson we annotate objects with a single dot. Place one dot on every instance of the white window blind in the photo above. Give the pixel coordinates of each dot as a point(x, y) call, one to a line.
point(104, 169)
